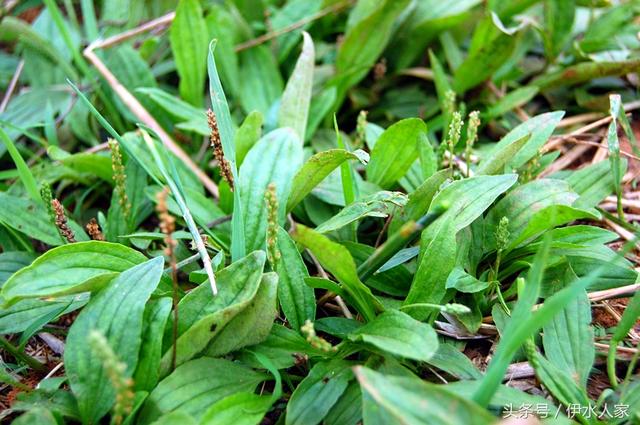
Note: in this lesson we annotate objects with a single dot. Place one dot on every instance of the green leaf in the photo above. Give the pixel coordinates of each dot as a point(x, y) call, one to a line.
point(363, 44)
point(203, 317)
point(539, 128)
point(398, 333)
point(238, 409)
point(558, 23)
point(593, 183)
point(72, 268)
point(294, 106)
point(24, 172)
point(155, 319)
point(411, 401)
point(420, 199)
point(511, 100)
point(12, 261)
point(261, 80)
point(297, 300)
point(223, 27)
point(247, 135)
point(584, 72)
point(379, 204)
point(395, 151)
point(26, 314)
point(318, 392)
point(280, 348)
point(490, 49)
point(252, 325)
point(496, 162)
point(220, 107)
point(117, 312)
point(532, 208)
point(559, 382)
point(32, 219)
point(348, 409)
point(437, 259)
point(568, 339)
point(188, 36)
point(461, 281)
point(467, 199)
point(337, 260)
point(194, 386)
point(38, 415)
point(316, 169)
point(274, 159)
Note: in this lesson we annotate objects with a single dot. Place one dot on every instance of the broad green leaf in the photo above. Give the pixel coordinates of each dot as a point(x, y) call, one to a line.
point(380, 204)
point(274, 159)
point(461, 281)
point(495, 163)
point(568, 340)
point(261, 80)
point(297, 300)
point(398, 333)
point(155, 319)
point(437, 259)
point(411, 401)
point(117, 312)
point(532, 208)
point(593, 183)
point(337, 260)
point(27, 313)
point(38, 415)
point(203, 317)
point(420, 199)
point(194, 386)
point(315, 169)
point(450, 359)
point(12, 261)
point(363, 44)
point(318, 392)
point(348, 409)
point(280, 348)
point(465, 200)
point(71, 268)
point(559, 382)
point(36, 222)
point(539, 128)
point(188, 36)
point(442, 83)
point(395, 151)
point(294, 106)
point(176, 418)
point(238, 409)
point(247, 135)
point(252, 325)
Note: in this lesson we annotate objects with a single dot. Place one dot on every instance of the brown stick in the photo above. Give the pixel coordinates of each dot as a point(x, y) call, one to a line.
point(145, 117)
point(12, 86)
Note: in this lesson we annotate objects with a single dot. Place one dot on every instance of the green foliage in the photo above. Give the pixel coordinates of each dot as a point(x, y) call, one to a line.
point(392, 196)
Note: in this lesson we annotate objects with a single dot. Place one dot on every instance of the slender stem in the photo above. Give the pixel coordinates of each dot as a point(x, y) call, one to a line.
point(19, 355)
point(407, 233)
